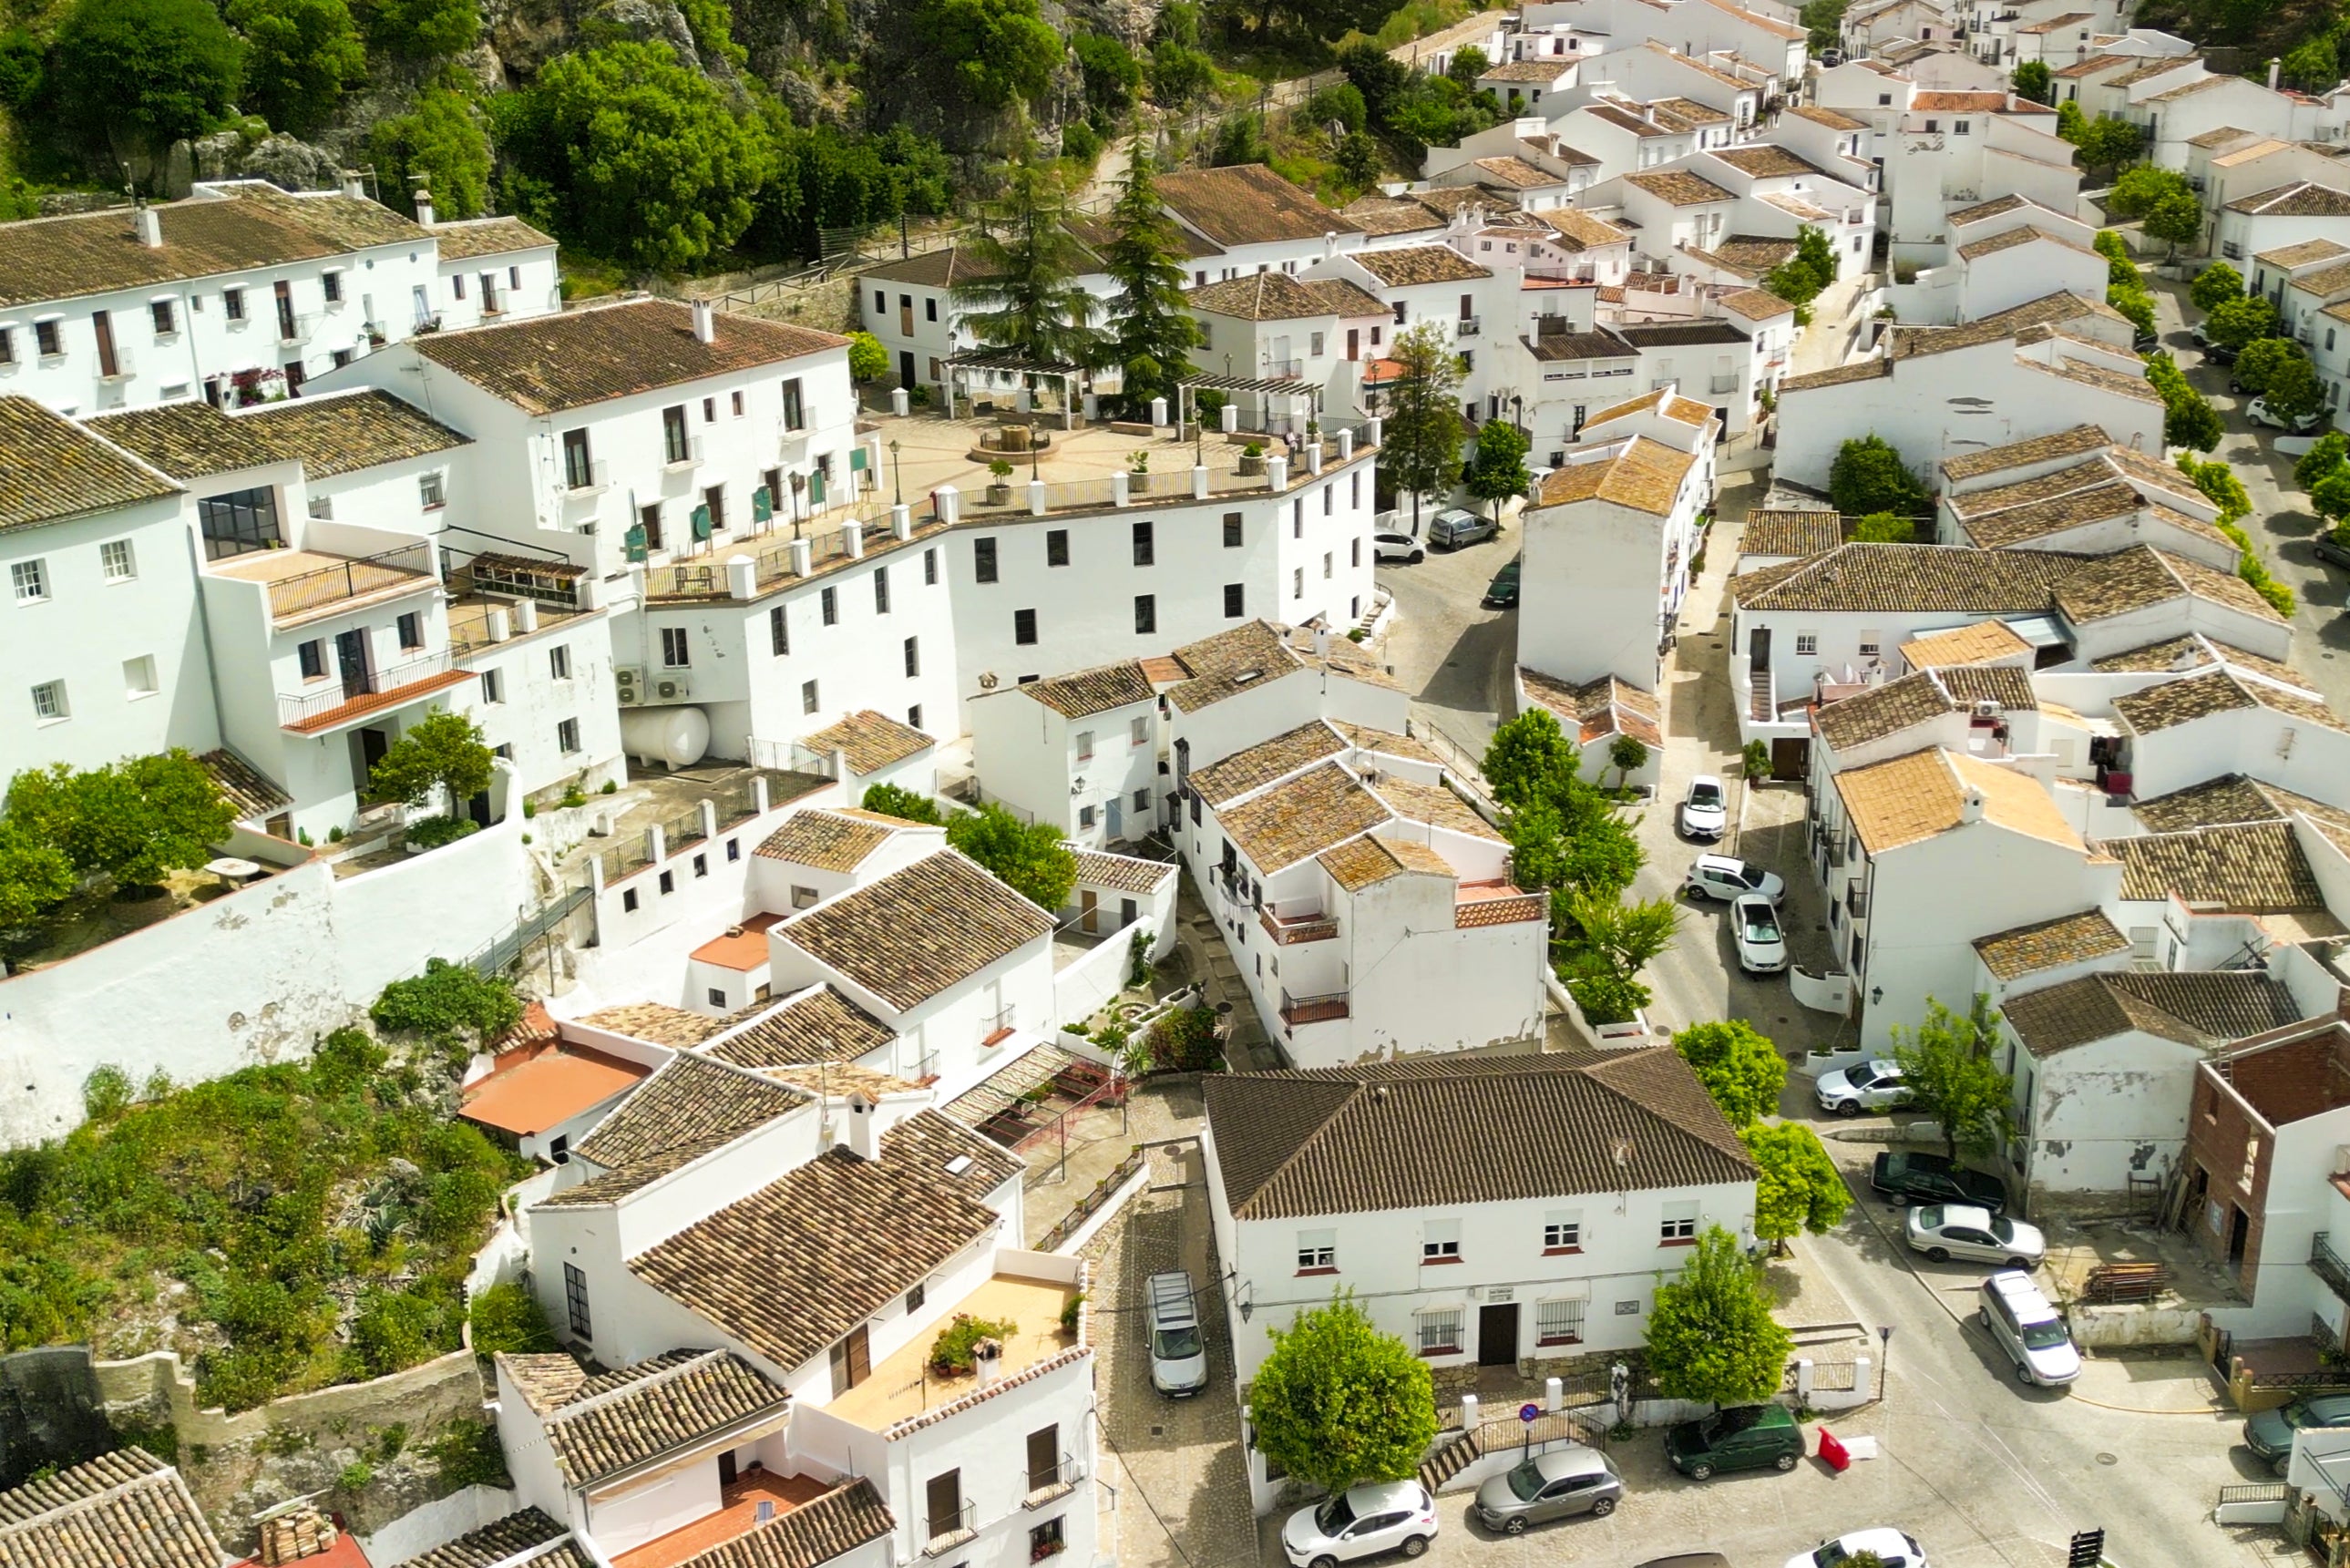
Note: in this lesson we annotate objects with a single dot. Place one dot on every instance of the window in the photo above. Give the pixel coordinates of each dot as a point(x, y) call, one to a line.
point(1145, 550)
point(567, 736)
point(1870, 641)
point(913, 658)
point(710, 410)
point(880, 590)
point(1137, 734)
point(430, 491)
point(233, 304)
point(808, 697)
point(676, 446)
point(702, 864)
point(558, 661)
point(717, 997)
point(1024, 627)
point(931, 567)
point(1329, 500)
point(1044, 1468)
point(575, 1301)
point(1231, 530)
point(1084, 816)
point(167, 320)
point(1235, 600)
point(669, 882)
point(1558, 1322)
point(914, 717)
point(49, 701)
point(313, 655)
point(1298, 582)
point(930, 308)
point(1439, 1242)
point(1326, 559)
point(1932, 126)
point(880, 301)
point(983, 560)
point(675, 653)
point(1318, 1251)
point(7, 345)
point(804, 898)
point(829, 601)
point(915, 1297)
point(1562, 1232)
point(1680, 1223)
point(1297, 518)
point(457, 285)
point(1807, 644)
point(493, 687)
point(1884, 99)
point(779, 636)
point(1314, 344)
point(239, 522)
point(733, 849)
point(715, 497)
point(943, 1506)
point(138, 676)
point(1959, 127)
point(1355, 552)
point(1439, 1328)
point(1057, 547)
point(410, 627)
point(31, 581)
point(332, 283)
point(628, 901)
point(794, 410)
point(1398, 312)
point(1084, 742)
point(1355, 488)
point(578, 472)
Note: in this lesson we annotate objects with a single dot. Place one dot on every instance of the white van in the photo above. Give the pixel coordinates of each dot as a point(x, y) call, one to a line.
point(1178, 1352)
point(2021, 1322)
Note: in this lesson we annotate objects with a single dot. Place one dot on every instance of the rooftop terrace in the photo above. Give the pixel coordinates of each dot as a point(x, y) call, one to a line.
point(904, 1384)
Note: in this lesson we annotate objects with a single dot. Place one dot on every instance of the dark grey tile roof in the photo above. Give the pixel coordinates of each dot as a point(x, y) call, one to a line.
point(2254, 867)
point(1895, 706)
point(502, 1538)
point(920, 929)
point(820, 1026)
point(123, 1509)
point(52, 469)
point(2049, 944)
point(597, 1427)
point(687, 1108)
point(2203, 1008)
point(547, 364)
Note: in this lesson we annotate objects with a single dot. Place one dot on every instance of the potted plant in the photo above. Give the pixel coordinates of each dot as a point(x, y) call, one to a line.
point(998, 484)
point(1253, 458)
point(1138, 472)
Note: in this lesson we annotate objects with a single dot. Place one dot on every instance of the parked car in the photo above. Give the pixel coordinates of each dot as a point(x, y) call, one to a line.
point(1947, 1231)
point(2269, 1434)
point(1502, 592)
point(1893, 1549)
point(1556, 1485)
point(2219, 353)
point(2257, 411)
point(1178, 1355)
point(1726, 878)
point(1740, 1437)
point(2145, 342)
point(1761, 940)
point(1907, 1178)
point(1361, 1522)
point(2021, 1322)
point(1704, 811)
point(1871, 1085)
point(1455, 526)
point(1397, 548)
point(2331, 549)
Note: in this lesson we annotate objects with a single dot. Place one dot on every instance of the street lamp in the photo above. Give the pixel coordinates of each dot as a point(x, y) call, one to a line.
point(1884, 1358)
point(799, 484)
point(1517, 412)
point(897, 470)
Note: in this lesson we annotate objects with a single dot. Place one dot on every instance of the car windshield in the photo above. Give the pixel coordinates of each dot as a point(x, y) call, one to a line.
point(1928, 1218)
point(2045, 1335)
point(1863, 1076)
point(1333, 1515)
point(1705, 795)
point(1762, 925)
point(1526, 1482)
point(1178, 1344)
point(2003, 1229)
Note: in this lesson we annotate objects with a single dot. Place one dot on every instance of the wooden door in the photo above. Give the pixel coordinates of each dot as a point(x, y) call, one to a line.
point(1089, 910)
point(1497, 1334)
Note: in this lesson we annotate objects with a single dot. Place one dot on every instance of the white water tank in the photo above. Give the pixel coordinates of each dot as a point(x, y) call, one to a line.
point(676, 737)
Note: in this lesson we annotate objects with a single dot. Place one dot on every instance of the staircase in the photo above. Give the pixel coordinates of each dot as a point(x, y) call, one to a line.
point(1505, 1435)
point(1763, 705)
point(1449, 1462)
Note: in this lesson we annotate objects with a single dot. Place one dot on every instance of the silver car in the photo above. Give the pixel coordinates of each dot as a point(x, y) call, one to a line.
point(1947, 1231)
point(1565, 1481)
point(1762, 939)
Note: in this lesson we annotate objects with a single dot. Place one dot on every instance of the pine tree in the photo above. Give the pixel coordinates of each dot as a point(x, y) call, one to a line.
point(1027, 300)
point(1153, 334)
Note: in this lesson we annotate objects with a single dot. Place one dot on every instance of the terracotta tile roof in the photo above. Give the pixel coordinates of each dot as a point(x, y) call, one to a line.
point(1679, 188)
point(604, 1426)
point(52, 469)
point(2252, 868)
point(1420, 264)
point(2048, 310)
point(2053, 23)
point(932, 269)
point(1385, 742)
point(849, 1516)
point(654, 1023)
point(1433, 804)
point(688, 1107)
point(819, 1024)
point(1551, 348)
point(1915, 797)
point(546, 364)
point(1280, 826)
point(1837, 375)
point(253, 225)
point(1388, 1135)
point(1687, 112)
point(1597, 709)
point(506, 1539)
point(1888, 710)
point(1754, 303)
point(1791, 533)
point(1361, 863)
point(2058, 515)
point(1973, 503)
point(1247, 203)
point(331, 434)
point(2189, 90)
point(1967, 645)
point(2049, 944)
point(1927, 578)
point(1767, 160)
point(2199, 1008)
point(2213, 139)
point(2302, 199)
point(1645, 476)
point(1391, 215)
point(1121, 873)
point(549, 1090)
point(2078, 442)
point(1749, 255)
point(1247, 771)
point(1829, 118)
point(2004, 684)
point(1579, 230)
point(2303, 254)
point(465, 238)
point(2094, 63)
point(920, 929)
point(835, 1079)
point(2142, 575)
point(253, 792)
point(1695, 64)
point(1090, 691)
point(2083, 372)
point(1997, 207)
point(825, 840)
point(1230, 662)
point(1755, 19)
point(2221, 690)
point(2192, 650)
point(2233, 798)
point(790, 1269)
point(2252, 154)
point(1514, 174)
point(123, 1509)
point(2009, 239)
point(873, 741)
point(1962, 100)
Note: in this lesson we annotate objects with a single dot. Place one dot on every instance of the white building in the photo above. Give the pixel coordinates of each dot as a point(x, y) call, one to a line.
point(1079, 751)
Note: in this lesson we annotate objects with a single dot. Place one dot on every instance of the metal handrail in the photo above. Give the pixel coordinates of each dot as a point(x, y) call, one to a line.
point(2328, 1265)
point(294, 711)
point(291, 596)
point(1330, 1004)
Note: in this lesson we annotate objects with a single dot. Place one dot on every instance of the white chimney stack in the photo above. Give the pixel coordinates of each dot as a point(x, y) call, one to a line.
point(1971, 806)
point(1330, 236)
point(150, 227)
point(353, 186)
point(987, 1360)
point(859, 1117)
point(423, 207)
point(2274, 66)
point(705, 322)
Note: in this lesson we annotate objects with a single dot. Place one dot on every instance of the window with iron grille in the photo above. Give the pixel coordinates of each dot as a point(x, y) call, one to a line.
point(1558, 1322)
point(1437, 1330)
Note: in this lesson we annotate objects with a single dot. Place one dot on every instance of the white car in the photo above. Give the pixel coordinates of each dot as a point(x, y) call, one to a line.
point(1705, 811)
point(2257, 411)
point(2027, 1327)
point(1361, 1522)
point(1947, 1231)
point(1761, 940)
point(1893, 1549)
point(1726, 878)
point(1874, 1085)
point(1397, 548)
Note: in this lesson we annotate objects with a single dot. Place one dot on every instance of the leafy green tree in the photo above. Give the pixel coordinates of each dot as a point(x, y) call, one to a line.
point(2107, 142)
point(2323, 460)
point(1711, 1337)
point(1025, 297)
point(1627, 754)
point(2034, 80)
point(868, 360)
point(2219, 486)
point(1739, 1067)
point(2263, 360)
point(824, 178)
point(439, 144)
point(2175, 219)
point(1340, 103)
point(1468, 63)
point(644, 160)
point(2121, 267)
point(2141, 190)
point(1152, 333)
point(1623, 939)
point(1798, 1187)
point(1028, 856)
point(2215, 284)
point(1869, 476)
point(160, 70)
point(2071, 124)
point(906, 804)
point(1497, 470)
point(1799, 279)
point(1181, 76)
point(2135, 305)
point(994, 51)
point(2189, 418)
point(300, 55)
point(1337, 1401)
point(439, 754)
point(449, 1003)
point(1113, 76)
point(2312, 66)
point(421, 29)
point(1884, 528)
point(2329, 495)
point(1530, 761)
point(1419, 443)
point(1358, 160)
point(1241, 140)
point(2292, 388)
point(1946, 1060)
point(1824, 19)
point(133, 821)
point(33, 875)
point(507, 1320)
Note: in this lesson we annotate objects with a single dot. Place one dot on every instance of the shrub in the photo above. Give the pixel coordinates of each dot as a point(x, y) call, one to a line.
point(1072, 1311)
point(1755, 762)
point(1184, 1041)
point(1606, 998)
point(1869, 476)
point(468, 1454)
point(1080, 142)
point(354, 1475)
point(435, 831)
point(950, 1353)
point(911, 805)
point(440, 753)
point(106, 1093)
point(610, 786)
point(396, 1330)
point(2322, 461)
point(447, 1001)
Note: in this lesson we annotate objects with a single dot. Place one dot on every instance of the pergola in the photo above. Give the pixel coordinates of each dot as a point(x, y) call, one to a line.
point(997, 361)
point(1264, 389)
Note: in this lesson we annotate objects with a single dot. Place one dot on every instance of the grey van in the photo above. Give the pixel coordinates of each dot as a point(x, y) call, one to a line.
point(1454, 527)
point(1178, 1351)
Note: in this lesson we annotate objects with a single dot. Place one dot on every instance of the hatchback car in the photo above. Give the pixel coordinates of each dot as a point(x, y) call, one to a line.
point(1893, 1549)
point(1361, 1522)
point(1455, 526)
point(1726, 878)
point(1947, 1231)
point(2269, 1434)
point(1907, 1177)
point(1555, 1485)
point(1397, 548)
point(2258, 412)
point(2332, 548)
point(1741, 1437)
point(1502, 592)
point(1761, 940)
point(1704, 811)
point(2022, 1322)
point(1873, 1086)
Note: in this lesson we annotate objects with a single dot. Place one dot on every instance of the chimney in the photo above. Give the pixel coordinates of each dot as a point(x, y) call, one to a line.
point(859, 1117)
point(150, 227)
point(1971, 806)
point(987, 1360)
point(1330, 236)
point(2274, 66)
point(423, 207)
point(353, 186)
point(705, 322)
point(1321, 642)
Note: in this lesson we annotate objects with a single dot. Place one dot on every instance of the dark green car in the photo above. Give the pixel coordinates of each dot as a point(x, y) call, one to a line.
point(1741, 1437)
point(2269, 1434)
point(1502, 593)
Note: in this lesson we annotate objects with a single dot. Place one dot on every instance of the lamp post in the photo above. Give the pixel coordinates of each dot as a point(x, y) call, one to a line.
point(897, 470)
point(1884, 1358)
point(1517, 412)
point(799, 485)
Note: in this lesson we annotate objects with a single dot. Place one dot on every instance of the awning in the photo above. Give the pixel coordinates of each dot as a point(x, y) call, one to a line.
point(1003, 359)
point(1248, 384)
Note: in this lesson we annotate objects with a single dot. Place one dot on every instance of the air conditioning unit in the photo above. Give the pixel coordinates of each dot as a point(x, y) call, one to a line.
point(670, 689)
point(628, 683)
point(1986, 709)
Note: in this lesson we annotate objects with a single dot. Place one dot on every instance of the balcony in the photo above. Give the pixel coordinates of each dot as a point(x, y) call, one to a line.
point(948, 1529)
point(1282, 369)
point(306, 583)
point(124, 368)
point(356, 697)
point(1052, 1482)
point(2329, 1265)
point(1855, 899)
point(1288, 928)
point(1299, 1010)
